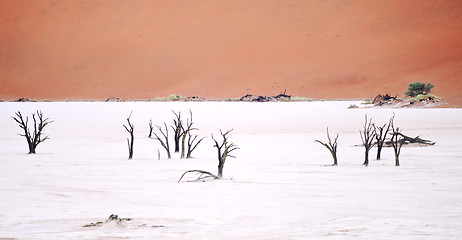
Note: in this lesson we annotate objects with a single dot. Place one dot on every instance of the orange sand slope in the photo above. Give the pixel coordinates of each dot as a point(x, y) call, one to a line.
point(141, 49)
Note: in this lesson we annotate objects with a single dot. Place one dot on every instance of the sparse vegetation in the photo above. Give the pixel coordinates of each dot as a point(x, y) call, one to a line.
point(171, 97)
point(174, 97)
point(301, 99)
point(423, 97)
point(418, 88)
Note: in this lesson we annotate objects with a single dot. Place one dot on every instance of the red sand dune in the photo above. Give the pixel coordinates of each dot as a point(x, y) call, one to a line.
point(67, 49)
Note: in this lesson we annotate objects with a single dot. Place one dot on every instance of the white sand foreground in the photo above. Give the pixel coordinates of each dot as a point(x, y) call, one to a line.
point(278, 187)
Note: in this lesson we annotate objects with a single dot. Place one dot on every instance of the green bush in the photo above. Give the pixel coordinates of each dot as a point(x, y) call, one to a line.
point(418, 88)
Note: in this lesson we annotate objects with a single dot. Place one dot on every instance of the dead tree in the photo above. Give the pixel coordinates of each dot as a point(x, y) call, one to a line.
point(331, 146)
point(367, 137)
point(164, 143)
point(34, 138)
point(130, 129)
point(380, 137)
point(151, 128)
point(192, 144)
point(177, 129)
point(187, 130)
point(396, 141)
point(224, 149)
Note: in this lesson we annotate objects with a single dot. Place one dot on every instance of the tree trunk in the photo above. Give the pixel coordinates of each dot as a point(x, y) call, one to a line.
point(31, 145)
point(379, 151)
point(31, 148)
point(220, 169)
point(130, 146)
point(366, 158)
point(182, 144)
point(335, 159)
point(177, 144)
point(396, 160)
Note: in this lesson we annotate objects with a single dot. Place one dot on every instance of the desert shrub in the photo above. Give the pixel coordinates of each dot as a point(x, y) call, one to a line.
point(422, 97)
point(174, 97)
point(300, 99)
point(352, 106)
point(418, 88)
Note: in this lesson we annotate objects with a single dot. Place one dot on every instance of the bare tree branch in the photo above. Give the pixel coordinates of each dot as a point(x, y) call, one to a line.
point(164, 143)
point(331, 146)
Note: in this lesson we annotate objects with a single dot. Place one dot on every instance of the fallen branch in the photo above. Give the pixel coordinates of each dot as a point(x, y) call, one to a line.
point(201, 175)
point(408, 140)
